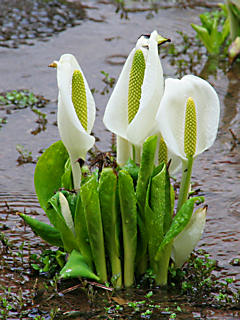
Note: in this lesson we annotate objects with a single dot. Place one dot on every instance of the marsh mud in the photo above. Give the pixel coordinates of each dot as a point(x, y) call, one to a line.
point(101, 43)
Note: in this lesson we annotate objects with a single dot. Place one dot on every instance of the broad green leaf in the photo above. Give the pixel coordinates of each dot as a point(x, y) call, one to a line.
point(91, 205)
point(48, 172)
point(110, 219)
point(180, 221)
point(128, 207)
point(45, 231)
point(77, 267)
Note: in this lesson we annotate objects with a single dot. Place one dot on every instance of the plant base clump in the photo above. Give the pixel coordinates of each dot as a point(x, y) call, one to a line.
point(120, 223)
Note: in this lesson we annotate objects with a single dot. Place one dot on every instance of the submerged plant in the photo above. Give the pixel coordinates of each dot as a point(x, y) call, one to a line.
point(118, 221)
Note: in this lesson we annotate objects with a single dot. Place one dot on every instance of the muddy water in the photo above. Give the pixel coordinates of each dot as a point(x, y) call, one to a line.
point(23, 21)
point(101, 43)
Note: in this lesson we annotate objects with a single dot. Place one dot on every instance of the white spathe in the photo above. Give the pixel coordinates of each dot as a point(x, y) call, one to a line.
point(171, 113)
point(66, 213)
point(75, 138)
point(116, 113)
point(187, 240)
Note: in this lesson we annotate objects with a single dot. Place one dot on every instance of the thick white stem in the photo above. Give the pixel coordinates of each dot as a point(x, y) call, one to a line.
point(77, 174)
point(123, 151)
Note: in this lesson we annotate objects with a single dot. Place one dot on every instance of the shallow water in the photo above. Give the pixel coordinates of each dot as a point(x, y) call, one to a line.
point(104, 46)
point(25, 20)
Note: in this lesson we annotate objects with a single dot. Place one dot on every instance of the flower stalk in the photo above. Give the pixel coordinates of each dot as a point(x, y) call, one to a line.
point(187, 166)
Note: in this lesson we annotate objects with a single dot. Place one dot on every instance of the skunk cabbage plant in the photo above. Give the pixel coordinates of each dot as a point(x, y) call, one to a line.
point(122, 219)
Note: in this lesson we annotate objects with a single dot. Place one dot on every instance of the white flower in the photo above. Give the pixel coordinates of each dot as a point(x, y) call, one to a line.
point(66, 212)
point(76, 112)
point(187, 240)
point(188, 130)
point(132, 107)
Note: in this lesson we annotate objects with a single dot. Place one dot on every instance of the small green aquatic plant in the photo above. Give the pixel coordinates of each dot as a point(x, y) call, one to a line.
point(214, 30)
point(22, 99)
point(119, 220)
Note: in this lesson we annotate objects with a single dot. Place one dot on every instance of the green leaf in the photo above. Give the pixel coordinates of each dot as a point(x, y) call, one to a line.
point(234, 19)
point(128, 207)
point(225, 29)
point(160, 217)
point(67, 179)
point(45, 231)
point(215, 36)
point(82, 236)
point(110, 219)
point(204, 36)
point(180, 221)
point(48, 172)
point(133, 169)
point(77, 267)
point(91, 205)
point(146, 168)
point(207, 21)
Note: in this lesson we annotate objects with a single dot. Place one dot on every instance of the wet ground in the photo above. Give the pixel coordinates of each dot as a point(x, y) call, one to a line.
point(101, 42)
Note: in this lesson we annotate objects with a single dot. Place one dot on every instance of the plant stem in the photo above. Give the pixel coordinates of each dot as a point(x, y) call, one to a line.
point(185, 182)
point(161, 266)
point(133, 153)
point(116, 272)
point(77, 174)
